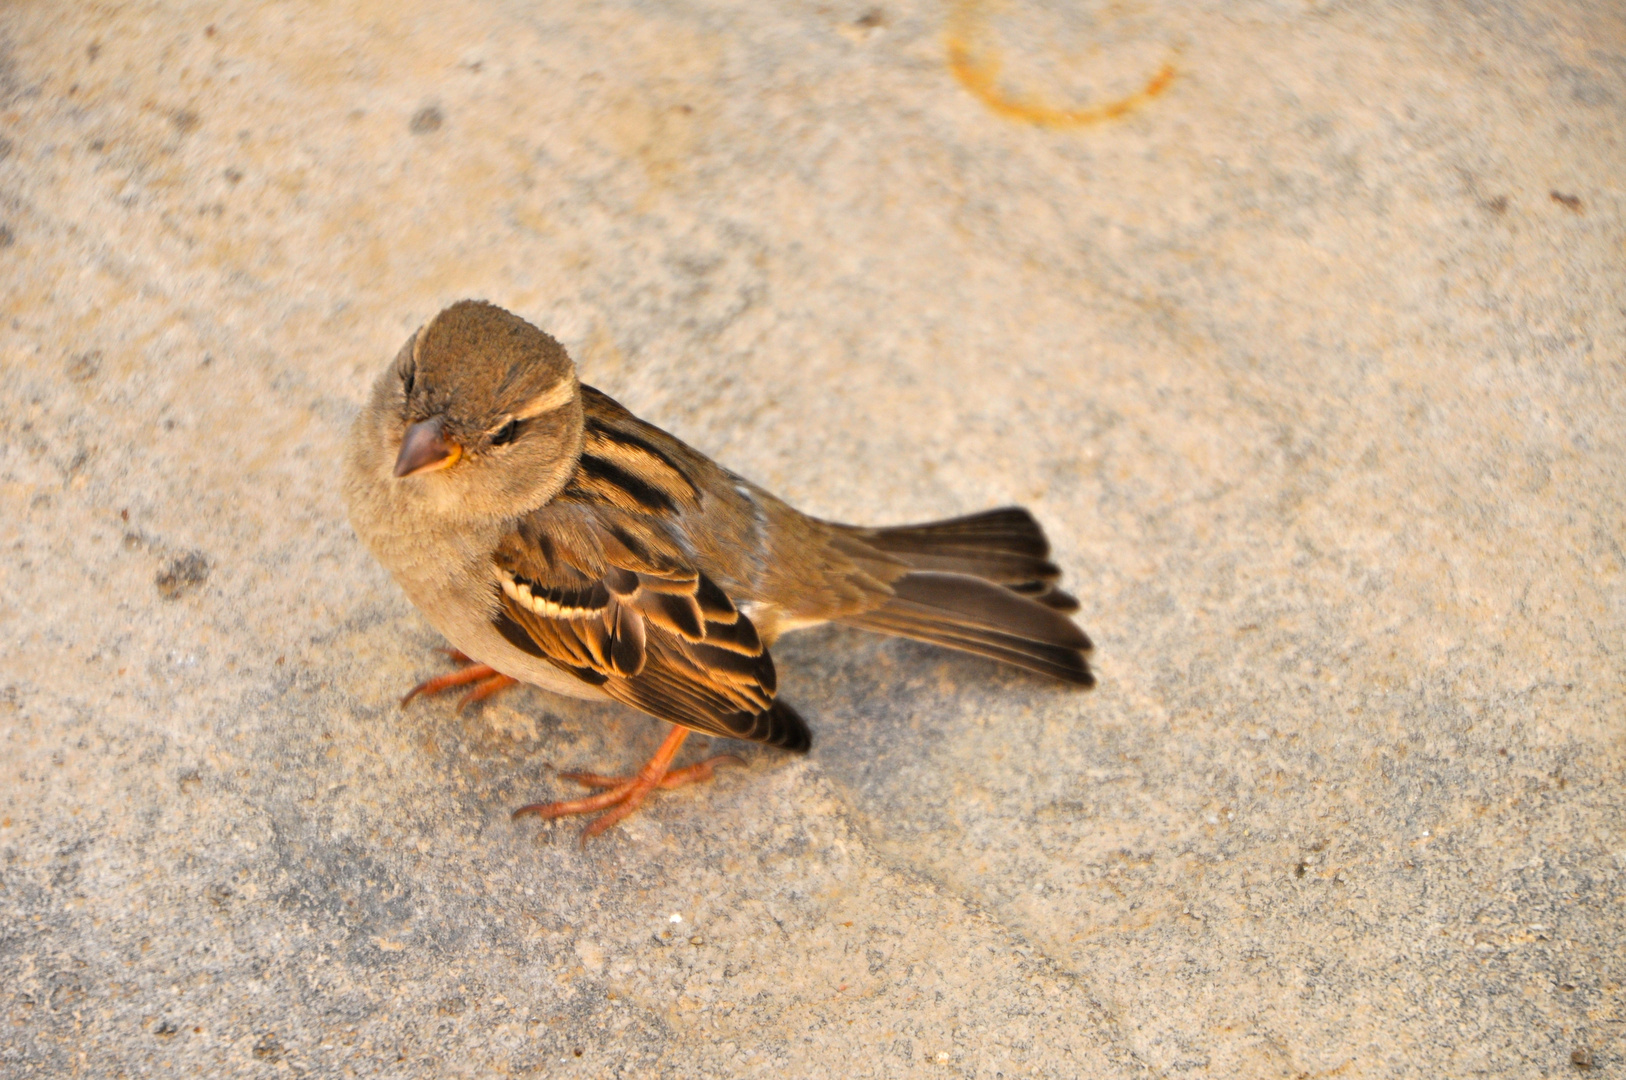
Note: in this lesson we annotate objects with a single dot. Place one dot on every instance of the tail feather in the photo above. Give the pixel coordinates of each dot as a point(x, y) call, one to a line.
point(1004, 546)
point(1048, 595)
point(977, 616)
point(1010, 529)
point(1058, 662)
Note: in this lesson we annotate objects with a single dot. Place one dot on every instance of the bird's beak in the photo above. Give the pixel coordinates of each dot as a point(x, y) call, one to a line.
point(424, 450)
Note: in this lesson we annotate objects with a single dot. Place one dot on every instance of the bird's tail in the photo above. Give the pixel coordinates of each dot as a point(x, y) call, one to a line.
point(983, 584)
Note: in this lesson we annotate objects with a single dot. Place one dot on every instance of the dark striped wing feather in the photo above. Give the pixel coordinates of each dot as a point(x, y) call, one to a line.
point(606, 595)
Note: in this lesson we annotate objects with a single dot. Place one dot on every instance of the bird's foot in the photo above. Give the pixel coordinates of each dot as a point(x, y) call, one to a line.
point(487, 681)
point(625, 794)
point(689, 774)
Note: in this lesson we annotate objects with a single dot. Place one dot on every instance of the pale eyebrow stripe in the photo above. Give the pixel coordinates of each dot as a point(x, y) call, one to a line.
point(560, 393)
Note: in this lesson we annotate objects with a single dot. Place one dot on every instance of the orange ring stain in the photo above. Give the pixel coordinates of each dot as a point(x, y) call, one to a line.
point(980, 75)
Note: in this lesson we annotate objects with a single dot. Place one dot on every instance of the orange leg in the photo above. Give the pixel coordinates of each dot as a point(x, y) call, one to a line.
point(626, 795)
point(689, 774)
point(486, 680)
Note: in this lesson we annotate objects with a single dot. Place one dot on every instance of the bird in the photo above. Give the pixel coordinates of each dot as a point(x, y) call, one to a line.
point(556, 539)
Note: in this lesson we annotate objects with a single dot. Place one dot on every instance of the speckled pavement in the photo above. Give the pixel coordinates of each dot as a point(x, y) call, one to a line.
point(1300, 325)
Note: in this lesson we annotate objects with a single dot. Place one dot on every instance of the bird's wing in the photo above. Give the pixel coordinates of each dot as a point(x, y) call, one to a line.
point(612, 599)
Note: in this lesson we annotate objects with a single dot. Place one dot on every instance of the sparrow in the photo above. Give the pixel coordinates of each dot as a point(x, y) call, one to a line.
point(556, 539)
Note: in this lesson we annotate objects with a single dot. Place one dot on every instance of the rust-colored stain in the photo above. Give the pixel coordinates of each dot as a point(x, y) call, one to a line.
point(977, 66)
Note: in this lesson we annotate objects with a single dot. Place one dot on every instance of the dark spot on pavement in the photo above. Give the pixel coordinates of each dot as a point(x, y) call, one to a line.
point(83, 367)
point(184, 572)
point(427, 119)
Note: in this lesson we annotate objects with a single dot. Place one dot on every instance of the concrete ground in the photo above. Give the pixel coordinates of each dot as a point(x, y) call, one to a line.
point(1300, 325)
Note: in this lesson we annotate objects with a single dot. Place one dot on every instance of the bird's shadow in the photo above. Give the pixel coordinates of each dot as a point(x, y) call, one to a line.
point(897, 724)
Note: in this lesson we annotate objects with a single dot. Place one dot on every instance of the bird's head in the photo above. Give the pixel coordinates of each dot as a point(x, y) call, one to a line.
point(480, 413)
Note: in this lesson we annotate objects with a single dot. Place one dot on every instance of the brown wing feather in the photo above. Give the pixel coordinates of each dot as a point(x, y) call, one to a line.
point(619, 607)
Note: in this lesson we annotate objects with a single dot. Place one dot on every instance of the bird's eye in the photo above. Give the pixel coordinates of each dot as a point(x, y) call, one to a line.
point(505, 434)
